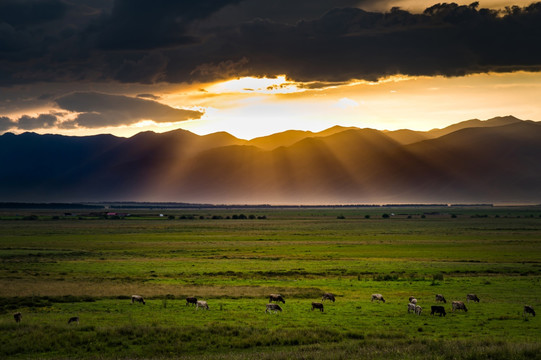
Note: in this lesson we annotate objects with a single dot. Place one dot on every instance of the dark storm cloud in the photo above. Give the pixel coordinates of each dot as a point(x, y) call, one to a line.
point(30, 12)
point(6, 123)
point(446, 39)
point(42, 121)
point(19, 20)
point(137, 41)
point(102, 110)
point(143, 24)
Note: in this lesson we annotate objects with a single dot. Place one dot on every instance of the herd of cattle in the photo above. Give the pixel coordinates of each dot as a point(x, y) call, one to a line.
point(274, 299)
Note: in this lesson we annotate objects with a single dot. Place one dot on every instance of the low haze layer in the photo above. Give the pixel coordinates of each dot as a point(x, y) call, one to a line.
point(494, 161)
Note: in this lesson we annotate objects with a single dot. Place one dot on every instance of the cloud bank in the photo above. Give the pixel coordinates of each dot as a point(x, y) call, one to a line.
point(184, 41)
point(97, 110)
point(102, 110)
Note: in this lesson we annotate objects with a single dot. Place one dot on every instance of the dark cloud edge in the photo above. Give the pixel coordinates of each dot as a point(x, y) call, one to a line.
point(125, 112)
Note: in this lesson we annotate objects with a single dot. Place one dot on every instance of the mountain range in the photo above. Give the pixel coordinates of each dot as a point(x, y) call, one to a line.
point(492, 161)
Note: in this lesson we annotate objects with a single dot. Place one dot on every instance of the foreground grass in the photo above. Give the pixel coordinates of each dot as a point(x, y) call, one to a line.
point(51, 270)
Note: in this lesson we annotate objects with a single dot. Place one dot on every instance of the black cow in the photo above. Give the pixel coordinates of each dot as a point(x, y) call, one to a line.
point(191, 300)
point(528, 310)
point(317, 306)
point(437, 309)
point(137, 298)
point(273, 307)
point(328, 296)
point(472, 297)
point(74, 319)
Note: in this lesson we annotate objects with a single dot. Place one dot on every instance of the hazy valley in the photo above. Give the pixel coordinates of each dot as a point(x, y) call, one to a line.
point(493, 161)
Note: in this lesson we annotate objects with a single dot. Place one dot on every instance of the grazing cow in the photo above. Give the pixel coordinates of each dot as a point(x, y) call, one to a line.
point(74, 319)
point(440, 298)
point(411, 307)
point(201, 304)
point(191, 300)
point(437, 309)
point(18, 317)
point(137, 298)
point(317, 306)
point(328, 296)
point(418, 310)
point(276, 298)
point(459, 305)
point(528, 310)
point(472, 297)
point(377, 297)
point(273, 307)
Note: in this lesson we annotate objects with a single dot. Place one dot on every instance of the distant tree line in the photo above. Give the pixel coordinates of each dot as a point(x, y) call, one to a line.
point(219, 217)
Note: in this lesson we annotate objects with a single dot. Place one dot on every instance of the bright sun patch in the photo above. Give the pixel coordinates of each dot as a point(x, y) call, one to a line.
point(248, 85)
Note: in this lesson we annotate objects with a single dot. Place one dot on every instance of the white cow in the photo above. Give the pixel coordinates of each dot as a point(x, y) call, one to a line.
point(201, 304)
point(459, 305)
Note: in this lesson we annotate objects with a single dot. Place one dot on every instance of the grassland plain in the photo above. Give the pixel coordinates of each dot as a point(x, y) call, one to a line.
point(56, 266)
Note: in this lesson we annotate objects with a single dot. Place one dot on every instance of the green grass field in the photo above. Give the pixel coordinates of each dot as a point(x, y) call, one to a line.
point(53, 267)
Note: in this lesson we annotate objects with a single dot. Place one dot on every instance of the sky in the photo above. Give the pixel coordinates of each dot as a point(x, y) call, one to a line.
point(255, 67)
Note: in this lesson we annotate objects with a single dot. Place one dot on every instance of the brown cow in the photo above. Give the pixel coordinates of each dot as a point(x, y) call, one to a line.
point(317, 306)
point(472, 297)
point(18, 317)
point(459, 305)
point(276, 298)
